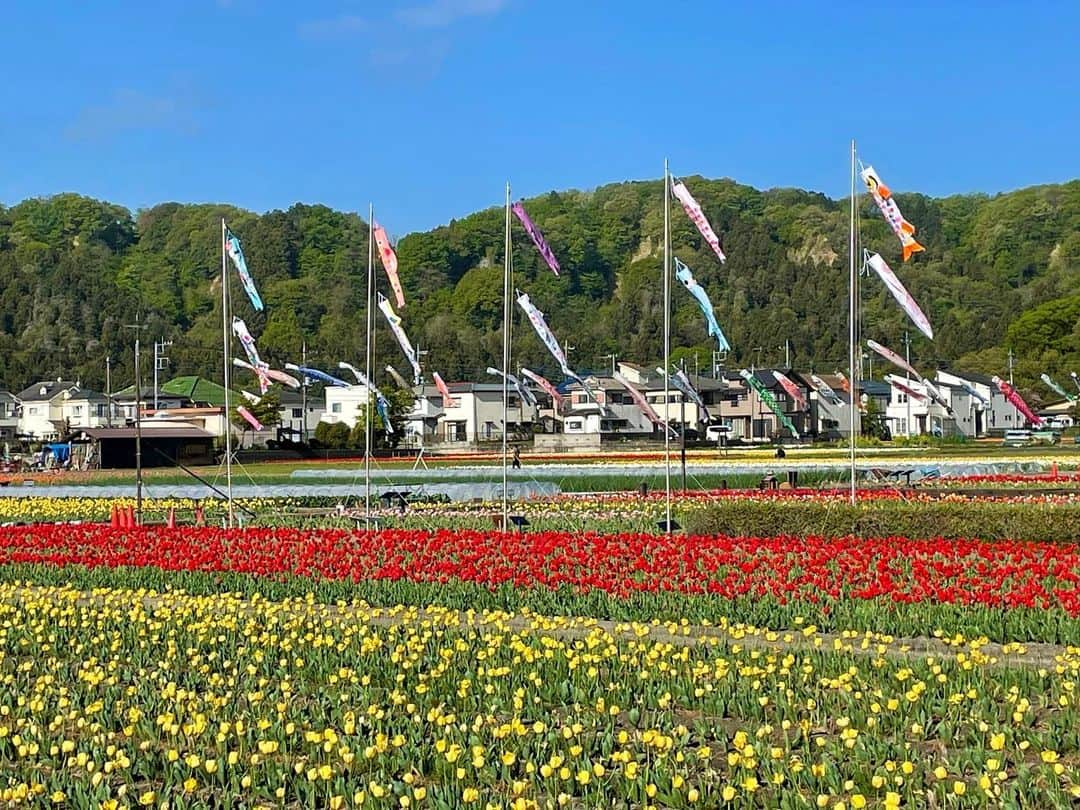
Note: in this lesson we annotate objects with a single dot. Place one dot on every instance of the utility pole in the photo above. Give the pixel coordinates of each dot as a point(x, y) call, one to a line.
point(566, 349)
point(787, 353)
point(907, 374)
point(138, 326)
point(717, 361)
point(160, 361)
point(303, 392)
point(1010, 366)
point(108, 389)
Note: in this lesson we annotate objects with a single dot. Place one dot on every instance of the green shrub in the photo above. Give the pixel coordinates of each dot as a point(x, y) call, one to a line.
point(915, 519)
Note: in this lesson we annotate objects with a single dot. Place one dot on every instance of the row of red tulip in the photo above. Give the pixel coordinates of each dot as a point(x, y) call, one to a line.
point(1004, 574)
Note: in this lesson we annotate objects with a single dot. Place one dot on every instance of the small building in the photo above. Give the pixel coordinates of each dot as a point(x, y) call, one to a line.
point(164, 443)
point(991, 412)
point(343, 404)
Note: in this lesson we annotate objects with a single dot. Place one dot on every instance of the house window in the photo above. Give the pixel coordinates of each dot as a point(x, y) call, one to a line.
point(3, 409)
point(77, 410)
point(297, 413)
point(573, 424)
point(102, 410)
point(335, 408)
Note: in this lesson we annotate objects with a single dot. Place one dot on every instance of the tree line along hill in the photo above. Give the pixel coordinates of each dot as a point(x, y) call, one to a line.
point(999, 272)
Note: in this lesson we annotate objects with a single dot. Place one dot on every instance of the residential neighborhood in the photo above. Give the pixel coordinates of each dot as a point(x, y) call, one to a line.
point(602, 411)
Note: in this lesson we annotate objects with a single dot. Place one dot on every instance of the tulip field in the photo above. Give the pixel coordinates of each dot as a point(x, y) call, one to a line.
point(443, 666)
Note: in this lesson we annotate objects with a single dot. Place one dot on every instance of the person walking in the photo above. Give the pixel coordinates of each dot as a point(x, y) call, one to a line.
point(516, 463)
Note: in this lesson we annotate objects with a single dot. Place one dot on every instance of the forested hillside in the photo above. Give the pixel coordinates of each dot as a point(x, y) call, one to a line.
point(998, 272)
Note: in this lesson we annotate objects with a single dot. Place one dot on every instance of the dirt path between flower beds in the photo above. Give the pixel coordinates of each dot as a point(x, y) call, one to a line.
point(1034, 655)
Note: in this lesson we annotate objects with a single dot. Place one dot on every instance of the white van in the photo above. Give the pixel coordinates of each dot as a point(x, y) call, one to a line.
point(714, 432)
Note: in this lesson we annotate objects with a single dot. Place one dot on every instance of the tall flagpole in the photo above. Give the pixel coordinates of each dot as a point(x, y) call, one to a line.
point(506, 357)
point(369, 356)
point(853, 394)
point(667, 345)
point(225, 351)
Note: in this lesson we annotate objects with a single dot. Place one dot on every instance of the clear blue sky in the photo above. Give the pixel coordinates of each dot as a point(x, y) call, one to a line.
point(426, 107)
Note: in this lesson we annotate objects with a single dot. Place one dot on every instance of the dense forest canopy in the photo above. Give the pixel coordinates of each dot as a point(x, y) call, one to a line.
point(998, 273)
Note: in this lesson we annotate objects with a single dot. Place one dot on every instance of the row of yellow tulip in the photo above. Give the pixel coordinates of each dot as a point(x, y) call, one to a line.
point(118, 698)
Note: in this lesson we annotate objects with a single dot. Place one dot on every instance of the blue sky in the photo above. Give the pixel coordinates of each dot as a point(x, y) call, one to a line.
point(426, 107)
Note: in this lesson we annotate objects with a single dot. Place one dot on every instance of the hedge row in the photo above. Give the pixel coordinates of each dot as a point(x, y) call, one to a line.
point(950, 519)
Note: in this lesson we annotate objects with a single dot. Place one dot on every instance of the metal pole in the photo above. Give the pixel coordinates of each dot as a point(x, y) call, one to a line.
point(138, 435)
point(682, 432)
point(506, 356)
point(851, 324)
point(108, 390)
point(667, 346)
point(369, 359)
point(303, 393)
point(156, 345)
point(225, 352)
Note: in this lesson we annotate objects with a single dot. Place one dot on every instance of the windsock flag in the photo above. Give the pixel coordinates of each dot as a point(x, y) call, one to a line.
point(825, 389)
point(899, 292)
point(903, 229)
point(552, 391)
point(901, 384)
point(973, 393)
point(236, 253)
point(932, 390)
point(1014, 397)
point(281, 377)
point(402, 338)
point(389, 261)
point(524, 392)
point(682, 383)
point(640, 401)
point(247, 341)
point(845, 386)
point(361, 378)
point(1053, 386)
point(447, 397)
point(536, 236)
point(393, 372)
point(697, 216)
point(686, 276)
point(791, 389)
point(536, 318)
point(250, 397)
point(894, 358)
point(315, 374)
point(382, 405)
point(770, 402)
point(259, 371)
point(249, 417)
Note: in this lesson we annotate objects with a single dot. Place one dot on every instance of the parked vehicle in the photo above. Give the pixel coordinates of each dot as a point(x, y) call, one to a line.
point(713, 433)
point(1018, 438)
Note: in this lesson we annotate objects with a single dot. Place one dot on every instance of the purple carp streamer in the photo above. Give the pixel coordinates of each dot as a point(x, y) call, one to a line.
point(536, 236)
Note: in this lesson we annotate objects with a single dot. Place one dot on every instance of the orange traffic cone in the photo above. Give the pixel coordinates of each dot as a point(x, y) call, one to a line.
point(170, 518)
point(114, 520)
point(131, 517)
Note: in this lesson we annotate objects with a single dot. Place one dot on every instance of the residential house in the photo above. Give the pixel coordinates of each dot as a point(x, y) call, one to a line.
point(296, 424)
point(476, 414)
point(51, 408)
point(343, 404)
point(609, 410)
point(991, 412)
point(9, 415)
